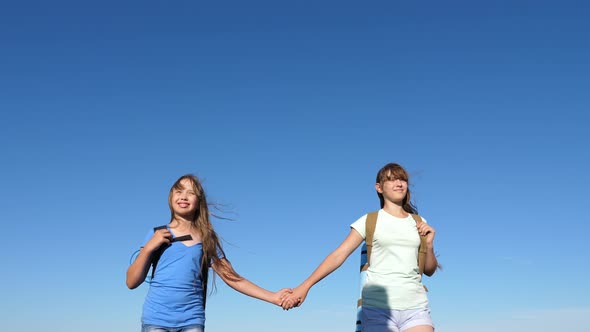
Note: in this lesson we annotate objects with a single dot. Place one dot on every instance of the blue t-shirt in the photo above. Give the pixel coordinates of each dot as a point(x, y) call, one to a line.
point(175, 297)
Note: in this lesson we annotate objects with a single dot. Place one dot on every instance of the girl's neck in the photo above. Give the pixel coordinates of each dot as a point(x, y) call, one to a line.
point(181, 223)
point(395, 210)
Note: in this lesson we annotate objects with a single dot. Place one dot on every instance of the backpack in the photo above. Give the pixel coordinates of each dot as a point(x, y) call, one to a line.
point(366, 249)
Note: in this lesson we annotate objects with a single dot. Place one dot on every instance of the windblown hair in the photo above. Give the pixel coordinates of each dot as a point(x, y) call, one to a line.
point(210, 241)
point(391, 172)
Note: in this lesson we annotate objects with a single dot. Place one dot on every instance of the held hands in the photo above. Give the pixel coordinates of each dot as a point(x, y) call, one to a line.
point(280, 295)
point(285, 297)
point(295, 298)
point(426, 230)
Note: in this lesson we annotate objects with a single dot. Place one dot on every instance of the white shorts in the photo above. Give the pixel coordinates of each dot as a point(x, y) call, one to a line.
point(386, 320)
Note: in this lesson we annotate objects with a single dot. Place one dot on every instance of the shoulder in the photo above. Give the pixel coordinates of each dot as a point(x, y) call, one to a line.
point(360, 224)
point(148, 235)
point(419, 217)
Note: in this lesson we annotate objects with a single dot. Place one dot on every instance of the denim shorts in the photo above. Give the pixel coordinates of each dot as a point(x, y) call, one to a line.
point(188, 328)
point(386, 320)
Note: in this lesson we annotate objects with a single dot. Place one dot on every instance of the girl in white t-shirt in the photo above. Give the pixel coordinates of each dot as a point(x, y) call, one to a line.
point(393, 296)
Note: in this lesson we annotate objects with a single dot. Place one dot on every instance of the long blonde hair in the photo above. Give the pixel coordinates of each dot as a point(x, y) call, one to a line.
point(202, 223)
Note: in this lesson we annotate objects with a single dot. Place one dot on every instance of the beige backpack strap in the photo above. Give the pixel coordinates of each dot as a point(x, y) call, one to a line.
point(422, 248)
point(370, 224)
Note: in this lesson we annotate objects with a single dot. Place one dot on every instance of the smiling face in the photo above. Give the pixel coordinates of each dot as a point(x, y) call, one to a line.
point(183, 199)
point(392, 184)
point(393, 190)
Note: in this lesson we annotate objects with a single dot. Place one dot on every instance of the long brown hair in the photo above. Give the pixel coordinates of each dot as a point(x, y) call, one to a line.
point(393, 171)
point(202, 223)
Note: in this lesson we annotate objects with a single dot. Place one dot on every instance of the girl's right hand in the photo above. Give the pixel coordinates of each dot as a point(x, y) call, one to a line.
point(295, 299)
point(160, 237)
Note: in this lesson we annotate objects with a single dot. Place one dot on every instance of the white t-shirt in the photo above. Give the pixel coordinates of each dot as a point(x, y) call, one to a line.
point(393, 278)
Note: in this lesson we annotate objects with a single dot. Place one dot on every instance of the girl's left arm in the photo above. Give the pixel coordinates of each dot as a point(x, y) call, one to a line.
point(431, 263)
point(227, 273)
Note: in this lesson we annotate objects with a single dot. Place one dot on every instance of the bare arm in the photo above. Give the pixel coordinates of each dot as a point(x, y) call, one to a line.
point(332, 262)
point(138, 270)
point(226, 272)
point(431, 263)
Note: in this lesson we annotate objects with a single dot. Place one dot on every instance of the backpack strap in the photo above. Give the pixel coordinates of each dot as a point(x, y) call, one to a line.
point(370, 224)
point(158, 253)
point(156, 256)
point(421, 249)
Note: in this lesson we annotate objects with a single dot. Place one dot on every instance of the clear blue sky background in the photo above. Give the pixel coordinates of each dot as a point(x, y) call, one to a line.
point(286, 110)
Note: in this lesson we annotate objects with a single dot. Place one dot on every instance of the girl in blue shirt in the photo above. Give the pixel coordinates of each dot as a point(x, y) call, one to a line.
point(183, 253)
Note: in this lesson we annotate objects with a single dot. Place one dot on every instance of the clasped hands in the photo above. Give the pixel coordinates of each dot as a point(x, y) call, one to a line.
point(291, 299)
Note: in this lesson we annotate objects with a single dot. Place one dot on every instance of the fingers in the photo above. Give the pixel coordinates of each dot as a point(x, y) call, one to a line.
point(290, 301)
point(160, 237)
point(424, 228)
point(284, 299)
point(286, 302)
point(290, 298)
point(164, 235)
point(284, 293)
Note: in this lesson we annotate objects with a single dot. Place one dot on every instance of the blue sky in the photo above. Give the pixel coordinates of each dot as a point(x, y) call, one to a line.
point(286, 110)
